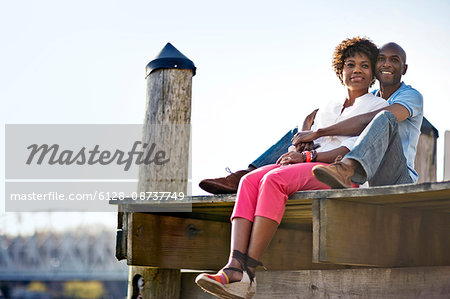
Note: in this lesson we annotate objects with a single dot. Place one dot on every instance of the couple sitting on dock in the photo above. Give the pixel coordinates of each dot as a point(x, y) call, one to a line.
point(369, 136)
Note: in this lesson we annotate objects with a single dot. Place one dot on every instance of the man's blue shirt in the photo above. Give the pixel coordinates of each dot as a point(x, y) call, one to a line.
point(408, 129)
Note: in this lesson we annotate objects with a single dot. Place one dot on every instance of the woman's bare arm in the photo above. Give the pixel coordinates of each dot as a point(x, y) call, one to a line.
point(295, 157)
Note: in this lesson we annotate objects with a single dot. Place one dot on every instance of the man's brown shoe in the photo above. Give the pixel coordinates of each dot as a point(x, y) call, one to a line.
point(226, 185)
point(336, 175)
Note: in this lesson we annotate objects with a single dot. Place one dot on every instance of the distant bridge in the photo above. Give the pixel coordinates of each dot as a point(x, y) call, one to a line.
point(75, 255)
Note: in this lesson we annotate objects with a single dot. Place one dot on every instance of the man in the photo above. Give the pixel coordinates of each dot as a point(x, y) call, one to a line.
point(385, 151)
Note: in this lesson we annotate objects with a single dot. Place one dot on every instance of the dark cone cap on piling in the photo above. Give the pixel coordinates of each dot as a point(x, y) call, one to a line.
point(170, 58)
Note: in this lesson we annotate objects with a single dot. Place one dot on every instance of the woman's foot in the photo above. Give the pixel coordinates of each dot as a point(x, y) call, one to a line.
point(231, 282)
point(220, 285)
point(233, 270)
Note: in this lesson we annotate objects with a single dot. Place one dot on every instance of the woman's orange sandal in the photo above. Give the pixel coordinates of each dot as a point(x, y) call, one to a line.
point(220, 286)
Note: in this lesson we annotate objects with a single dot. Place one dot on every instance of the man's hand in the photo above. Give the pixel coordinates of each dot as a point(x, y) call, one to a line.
point(304, 136)
point(304, 146)
point(291, 158)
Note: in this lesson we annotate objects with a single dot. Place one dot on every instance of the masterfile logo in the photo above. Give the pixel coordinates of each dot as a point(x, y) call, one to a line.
point(94, 156)
point(84, 167)
point(85, 151)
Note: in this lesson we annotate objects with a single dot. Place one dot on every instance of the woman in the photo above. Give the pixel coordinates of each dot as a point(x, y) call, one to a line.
point(262, 194)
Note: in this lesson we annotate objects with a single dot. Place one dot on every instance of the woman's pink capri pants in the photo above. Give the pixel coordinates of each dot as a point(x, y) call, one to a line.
point(264, 191)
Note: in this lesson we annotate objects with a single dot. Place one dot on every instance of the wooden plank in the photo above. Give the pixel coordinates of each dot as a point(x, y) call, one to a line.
point(382, 195)
point(393, 283)
point(350, 233)
point(299, 213)
point(428, 196)
point(316, 231)
point(183, 243)
point(423, 191)
point(437, 205)
point(398, 195)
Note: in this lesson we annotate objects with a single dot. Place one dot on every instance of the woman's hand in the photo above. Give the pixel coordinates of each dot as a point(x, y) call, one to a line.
point(291, 158)
point(304, 137)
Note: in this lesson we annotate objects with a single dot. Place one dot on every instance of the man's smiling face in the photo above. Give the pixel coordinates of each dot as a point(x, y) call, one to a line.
point(391, 64)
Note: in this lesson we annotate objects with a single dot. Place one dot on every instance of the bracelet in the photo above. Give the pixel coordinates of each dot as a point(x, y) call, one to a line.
point(303, 156)
point(307, 156)
point(313, 155)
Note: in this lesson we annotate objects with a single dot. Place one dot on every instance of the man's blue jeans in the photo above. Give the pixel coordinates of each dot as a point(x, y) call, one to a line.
point(378, 150)
point(271, 155)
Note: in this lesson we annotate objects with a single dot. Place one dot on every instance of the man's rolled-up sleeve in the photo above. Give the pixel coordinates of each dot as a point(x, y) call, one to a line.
point(411, 100)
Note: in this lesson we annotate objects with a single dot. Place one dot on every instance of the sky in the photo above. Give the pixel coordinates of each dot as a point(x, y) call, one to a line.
point(262, 66)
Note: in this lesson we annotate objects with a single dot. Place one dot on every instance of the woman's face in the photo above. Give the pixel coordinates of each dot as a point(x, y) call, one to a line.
point(357, 72)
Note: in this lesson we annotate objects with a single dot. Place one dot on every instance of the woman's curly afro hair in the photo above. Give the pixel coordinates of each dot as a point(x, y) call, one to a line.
point(348, 48)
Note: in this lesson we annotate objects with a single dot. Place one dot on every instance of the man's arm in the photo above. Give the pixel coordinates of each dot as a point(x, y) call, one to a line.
point(309, 120)
point(399, 111)
point(307, 124)
point(352, 126)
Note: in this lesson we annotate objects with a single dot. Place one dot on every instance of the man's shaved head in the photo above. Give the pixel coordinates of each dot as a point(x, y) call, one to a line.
point(394, 46)
point(391, 66)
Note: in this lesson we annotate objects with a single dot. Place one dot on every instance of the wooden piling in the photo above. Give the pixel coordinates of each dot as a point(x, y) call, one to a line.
point(425, 161)
point(166, 124)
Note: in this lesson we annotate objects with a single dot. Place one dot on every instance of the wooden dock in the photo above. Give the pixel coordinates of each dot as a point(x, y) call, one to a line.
point(343, 231)
point(383, 242)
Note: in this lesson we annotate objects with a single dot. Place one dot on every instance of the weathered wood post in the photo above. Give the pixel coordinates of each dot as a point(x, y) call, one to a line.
point(425, 162)
point(167, 126)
